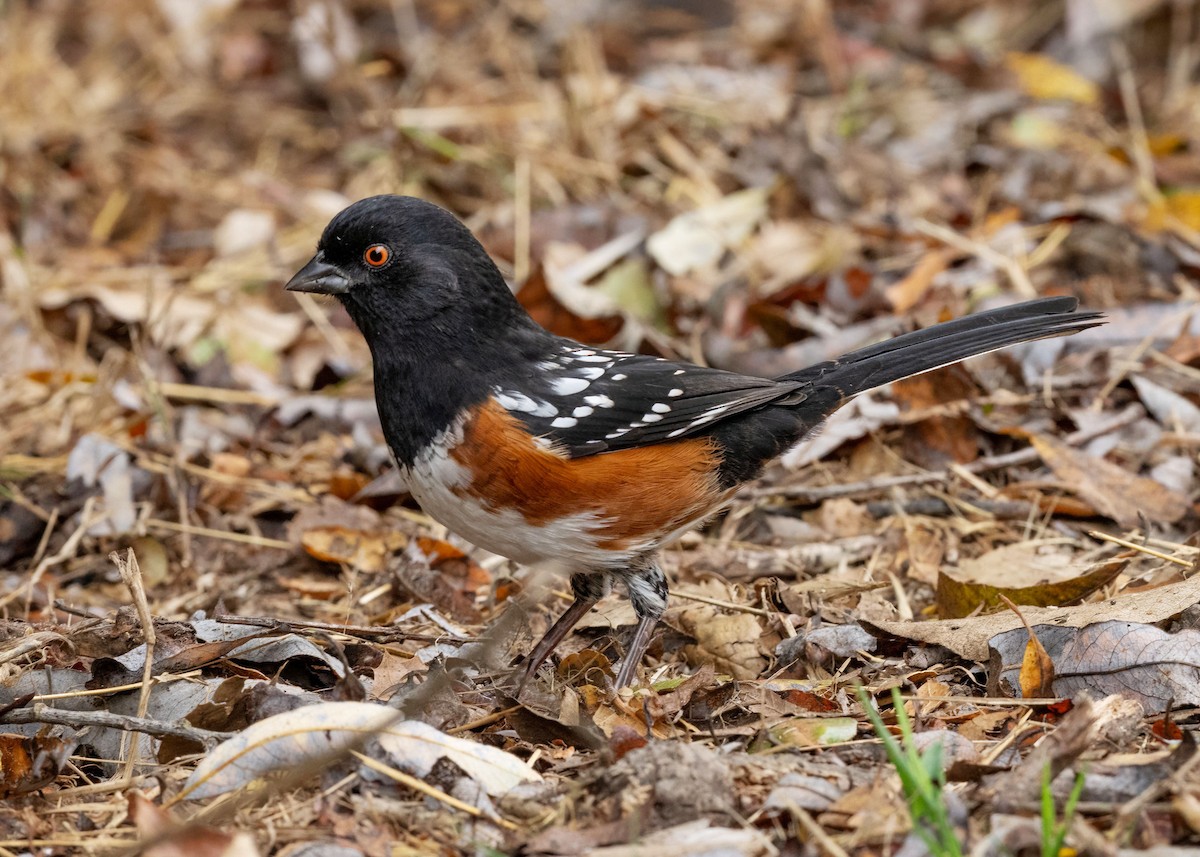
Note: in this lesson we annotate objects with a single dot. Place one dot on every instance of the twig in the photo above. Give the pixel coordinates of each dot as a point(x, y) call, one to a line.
point(1010, 266)
point(1116, 540)
point(41, 713)
point(468, 115)
point(822, 839)
point(214, 395)
point(940, 507)
point(131, 576)
point(486, 720)
point(728, 605)
point(522, 217)
point(27, 645)
point(1140, 148)
point(244, 538)
point(368, 632)
point(1133, 359)
point(424, 788)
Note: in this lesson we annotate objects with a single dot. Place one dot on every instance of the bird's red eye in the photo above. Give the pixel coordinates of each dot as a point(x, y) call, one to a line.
point(377, 255)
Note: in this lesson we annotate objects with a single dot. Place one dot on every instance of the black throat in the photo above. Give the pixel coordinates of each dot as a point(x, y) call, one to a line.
point(433, 361)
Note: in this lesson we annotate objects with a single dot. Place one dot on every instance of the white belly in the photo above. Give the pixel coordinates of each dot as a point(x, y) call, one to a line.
point(436, 482)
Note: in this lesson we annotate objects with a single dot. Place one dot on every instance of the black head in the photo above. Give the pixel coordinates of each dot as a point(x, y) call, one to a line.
point(443, 327)
point(402, 266)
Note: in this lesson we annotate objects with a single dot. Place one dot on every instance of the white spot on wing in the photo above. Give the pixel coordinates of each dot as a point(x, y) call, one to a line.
point(590, 372)
point(564, 422)
point(582, 411)
point(651, 418)
point(678, 372)
point(676, 393)
point(569, 386)
point(600, 401)
point(620, 376)
point(511, 400)
point(660, 408)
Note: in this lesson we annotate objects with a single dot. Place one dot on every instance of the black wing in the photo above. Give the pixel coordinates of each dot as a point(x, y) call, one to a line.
point(583, 401)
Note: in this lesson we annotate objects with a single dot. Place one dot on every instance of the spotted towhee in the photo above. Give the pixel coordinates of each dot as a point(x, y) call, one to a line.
point(539, 448)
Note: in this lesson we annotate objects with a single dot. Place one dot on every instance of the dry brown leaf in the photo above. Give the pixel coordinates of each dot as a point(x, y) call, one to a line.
point(923, 548)
point(941, 439)
point(1037, 670)
point(1025, 573)
point(729, 642)
point(365, 550)
point(843, 518)
point(1111, 489)
point(1138, 660)
point(586, 667)
point(969, 637)
point(1045, 79)
point(31, 763)
point(311, 732)
point(668, 703)
point(907, 292)
point(169, 838)
point(306, 587)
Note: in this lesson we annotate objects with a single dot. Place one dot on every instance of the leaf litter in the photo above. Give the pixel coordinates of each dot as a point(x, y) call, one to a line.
point(757, 186)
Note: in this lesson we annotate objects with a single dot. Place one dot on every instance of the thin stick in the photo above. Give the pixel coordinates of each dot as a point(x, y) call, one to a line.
point(244, 538)
point(1010, 266)
point(131, 575)
point(486, 720)
point(728, 605)
point(1117, 540)
point(40, 713)
point(116, 688)
point(522, 218)
point(822, 839)
point(424, 788)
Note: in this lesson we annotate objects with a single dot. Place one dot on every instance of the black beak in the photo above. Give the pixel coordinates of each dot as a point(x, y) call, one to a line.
point(319, 277)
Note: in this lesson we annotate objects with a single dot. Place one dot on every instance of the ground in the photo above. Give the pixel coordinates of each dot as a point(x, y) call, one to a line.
point(225, 631)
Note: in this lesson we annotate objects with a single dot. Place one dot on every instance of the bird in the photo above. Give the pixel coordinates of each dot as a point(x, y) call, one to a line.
point(537, 447)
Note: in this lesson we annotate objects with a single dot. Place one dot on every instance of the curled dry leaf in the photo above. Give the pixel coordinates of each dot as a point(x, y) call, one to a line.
point(698, 239)
point(415, 747)
point(30, 763)
point(969, 638)
point(1037, 670)
point(1042, 78)
point(167, 837)
point(365, 550)
point(314, 733)
point(814, 731)
point(729, 641)
point(1172, 410)
point(1025, 573)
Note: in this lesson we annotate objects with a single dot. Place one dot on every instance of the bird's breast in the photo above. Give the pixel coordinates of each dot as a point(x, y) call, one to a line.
point(486, 479)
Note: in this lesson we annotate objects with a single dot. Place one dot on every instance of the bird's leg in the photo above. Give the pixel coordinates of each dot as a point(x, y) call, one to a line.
point(588, 589)
point(647, 587)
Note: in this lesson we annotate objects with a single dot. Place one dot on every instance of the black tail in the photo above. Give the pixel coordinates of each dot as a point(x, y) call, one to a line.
point(922, 350)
